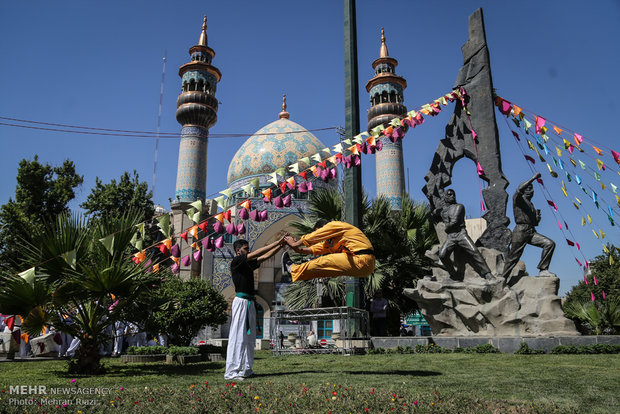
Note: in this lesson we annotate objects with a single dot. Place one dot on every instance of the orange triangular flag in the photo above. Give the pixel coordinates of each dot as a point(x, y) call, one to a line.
point(557, 130)
point(598, 151)
point(167, 243)
point(332, 159)
point(156, 268)
point(314, 171)
point(194, 232)
point(353, 149)
point(195, 245)
point(219, 217)
point(517, 110)
point(291, 180)
point(175, 259)
point(246, 204)
point(267, 193)
point(387, 131)
point(371, 140)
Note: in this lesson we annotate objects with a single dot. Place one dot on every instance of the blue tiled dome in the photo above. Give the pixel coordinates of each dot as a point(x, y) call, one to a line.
point(263, 154)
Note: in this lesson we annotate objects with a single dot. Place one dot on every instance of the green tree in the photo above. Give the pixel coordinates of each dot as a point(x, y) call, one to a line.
point(81, 276)
point(42, 192)
point(598, 316)
point(117, 197)
point(400, 239)
point(606, 269)
point(185, 308)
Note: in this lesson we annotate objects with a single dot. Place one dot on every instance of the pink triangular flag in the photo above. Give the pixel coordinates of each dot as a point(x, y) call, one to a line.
point(287, 201)
point(174, 268)
point(595, 280)
point(243, 214)
point(241, 229)
point(175, 251)
point(277, 202)
point(540, 122)
point(263, 215)
point(197, 256)
point(218, 227)
point(186, 261)
point(219, 242)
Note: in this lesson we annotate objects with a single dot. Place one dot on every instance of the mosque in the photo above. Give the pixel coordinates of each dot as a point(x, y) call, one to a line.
point(276, 145)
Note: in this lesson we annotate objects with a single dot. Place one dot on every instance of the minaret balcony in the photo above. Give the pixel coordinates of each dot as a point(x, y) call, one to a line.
point(197, 108)
point(386, 108)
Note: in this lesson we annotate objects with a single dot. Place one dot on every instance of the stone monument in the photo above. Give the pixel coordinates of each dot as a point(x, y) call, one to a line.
point(459, 300)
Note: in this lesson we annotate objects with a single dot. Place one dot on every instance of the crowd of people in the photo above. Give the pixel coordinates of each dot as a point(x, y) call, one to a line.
point(120, 336)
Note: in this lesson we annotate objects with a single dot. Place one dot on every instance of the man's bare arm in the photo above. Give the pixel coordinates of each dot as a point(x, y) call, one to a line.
point(261, 251)
point(297, 245)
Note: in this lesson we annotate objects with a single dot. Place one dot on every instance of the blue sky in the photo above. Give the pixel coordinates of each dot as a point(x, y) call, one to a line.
point(99, 64)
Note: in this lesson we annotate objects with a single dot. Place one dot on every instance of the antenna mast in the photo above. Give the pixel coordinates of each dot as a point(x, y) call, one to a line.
point(161, 99)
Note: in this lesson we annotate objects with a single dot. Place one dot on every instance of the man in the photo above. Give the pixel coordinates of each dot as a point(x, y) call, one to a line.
point(378, 309)
point(526, 219)
point(453, 216)
point(242, 336)
point(343, 250)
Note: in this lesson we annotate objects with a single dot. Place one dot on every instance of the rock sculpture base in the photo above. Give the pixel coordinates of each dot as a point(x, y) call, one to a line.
point(473, 306)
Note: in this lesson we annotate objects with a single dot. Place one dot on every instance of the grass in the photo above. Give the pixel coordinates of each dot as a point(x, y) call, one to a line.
point(449, 383)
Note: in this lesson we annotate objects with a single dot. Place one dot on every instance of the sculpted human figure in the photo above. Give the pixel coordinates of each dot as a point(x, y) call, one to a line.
point(526, 219)
point(453, 216)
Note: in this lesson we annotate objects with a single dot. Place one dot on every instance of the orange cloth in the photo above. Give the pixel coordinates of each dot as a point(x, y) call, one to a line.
point(338, 241)
point(334, 265)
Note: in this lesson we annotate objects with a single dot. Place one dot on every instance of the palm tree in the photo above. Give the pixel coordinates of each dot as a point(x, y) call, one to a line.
point(400, 239)
point(599, 317)
point(81, 286)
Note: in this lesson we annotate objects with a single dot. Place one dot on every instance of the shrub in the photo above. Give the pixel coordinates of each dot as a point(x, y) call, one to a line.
point(187, 307)
point(182, 350)
point(524, 349)
point(431, 349)
point(147, 350)
point(586, 349)
point(205, 349)
point(482, 349)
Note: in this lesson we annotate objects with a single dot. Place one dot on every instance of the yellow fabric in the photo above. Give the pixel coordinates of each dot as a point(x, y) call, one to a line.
point(334, 265)
point(337, 241)
point(336, 237)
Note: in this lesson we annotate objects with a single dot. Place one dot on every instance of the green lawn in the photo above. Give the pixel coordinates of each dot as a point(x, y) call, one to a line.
point(450, 383)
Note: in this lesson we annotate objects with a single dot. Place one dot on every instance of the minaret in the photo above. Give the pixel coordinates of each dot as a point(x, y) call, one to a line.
point(386, 102)
point(196, 112)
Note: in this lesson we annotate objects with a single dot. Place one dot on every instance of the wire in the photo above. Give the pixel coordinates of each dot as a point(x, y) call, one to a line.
point(136, 134)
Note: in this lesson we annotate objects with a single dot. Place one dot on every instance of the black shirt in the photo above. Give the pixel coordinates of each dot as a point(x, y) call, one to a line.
point(242, 272)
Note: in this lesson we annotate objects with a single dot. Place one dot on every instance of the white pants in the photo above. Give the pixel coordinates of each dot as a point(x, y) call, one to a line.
point(240, 353)
point(75, 344)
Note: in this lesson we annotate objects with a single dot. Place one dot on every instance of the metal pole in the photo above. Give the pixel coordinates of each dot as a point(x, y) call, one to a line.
point(353, 175)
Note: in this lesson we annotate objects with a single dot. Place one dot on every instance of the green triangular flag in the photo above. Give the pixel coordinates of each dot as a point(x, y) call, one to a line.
point(281, 172)
point(198, 204)
point(28, 275)
point(582, 165)
point(348, 141)
point(395, 122)
point(141, 229)
point(338, 148)
point(108, 243)
point(191, 211)
point(255, 182)
point(316, 157)
point(221, 202)
point(248, 189)
point(294, 168)
point(528, 124)
point(227, 192)
point(163, 222)
point(305, 160)
point(327, 150)
point(597, 176)
point(273, 179)
point(70, 258)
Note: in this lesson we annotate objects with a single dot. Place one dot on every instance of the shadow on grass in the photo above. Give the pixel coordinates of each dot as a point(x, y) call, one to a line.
point(273, 374)
point(396, 372)
point(139, 370)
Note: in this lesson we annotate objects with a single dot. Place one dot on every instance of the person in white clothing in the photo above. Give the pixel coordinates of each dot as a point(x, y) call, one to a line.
point(242, 336)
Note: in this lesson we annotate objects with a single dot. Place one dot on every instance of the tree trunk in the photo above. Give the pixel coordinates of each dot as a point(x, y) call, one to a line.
point(88, 360)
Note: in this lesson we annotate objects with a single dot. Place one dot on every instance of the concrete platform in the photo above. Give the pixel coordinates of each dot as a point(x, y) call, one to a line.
point(504, 344)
